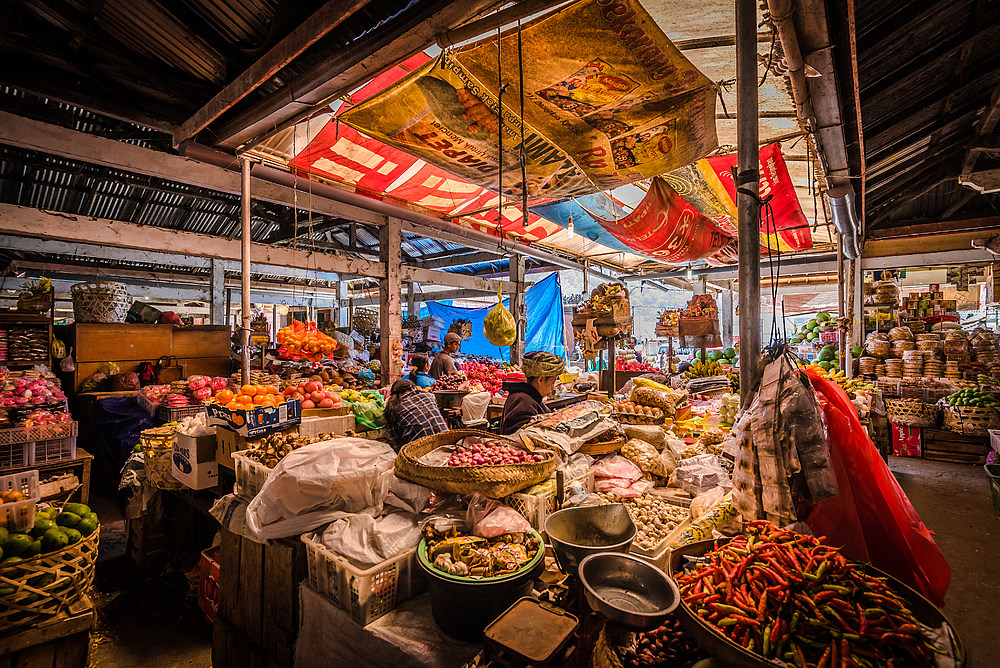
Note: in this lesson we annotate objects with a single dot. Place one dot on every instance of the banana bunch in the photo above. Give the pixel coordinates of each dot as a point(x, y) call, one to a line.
point(838, 376)
point(858, 386)
point(702, 369)
point(352, 396)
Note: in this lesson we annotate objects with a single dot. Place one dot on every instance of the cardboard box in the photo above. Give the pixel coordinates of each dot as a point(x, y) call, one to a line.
point(226, 443)
point(257, 422)
point(338, 424)
point(432, 334)
point(193, 461)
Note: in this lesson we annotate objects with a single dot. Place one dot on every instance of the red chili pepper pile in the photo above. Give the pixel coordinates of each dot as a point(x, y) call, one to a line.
point(785, 595)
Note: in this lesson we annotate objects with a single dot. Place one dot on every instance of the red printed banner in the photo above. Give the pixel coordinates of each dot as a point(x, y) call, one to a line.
point(666, 227)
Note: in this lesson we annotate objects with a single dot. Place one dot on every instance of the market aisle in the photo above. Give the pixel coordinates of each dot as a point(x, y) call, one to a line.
point(954, 502)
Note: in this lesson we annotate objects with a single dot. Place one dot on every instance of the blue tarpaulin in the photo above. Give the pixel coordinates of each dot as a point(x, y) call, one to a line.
point(543, 302)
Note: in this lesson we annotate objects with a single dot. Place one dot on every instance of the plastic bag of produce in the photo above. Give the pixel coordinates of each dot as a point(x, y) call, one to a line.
point(499, 326)
point(644, 456)
point(489, 518)
point(650, 433)
point(369, 414)
point(870, 517)
point(668, 400)
point(623, 488)
point(700, 474)
point(314, 483)
point(617, 466)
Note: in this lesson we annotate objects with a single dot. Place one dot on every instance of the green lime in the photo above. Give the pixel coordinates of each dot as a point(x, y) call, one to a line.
point(54, 539)
point(16, 544)
point(87, 526)
point(67, 520)
point(80, 509)
point(41, 526)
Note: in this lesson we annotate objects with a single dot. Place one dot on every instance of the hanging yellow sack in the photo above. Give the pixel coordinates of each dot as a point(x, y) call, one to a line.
point(499, 326)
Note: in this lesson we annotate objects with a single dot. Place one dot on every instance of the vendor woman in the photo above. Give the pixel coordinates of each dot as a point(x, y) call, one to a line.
point(542, 371)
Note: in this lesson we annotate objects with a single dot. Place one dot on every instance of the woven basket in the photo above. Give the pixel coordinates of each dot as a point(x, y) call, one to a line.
point(970, 420)
point(602, 447)
point(911, 412)
point(365, 321)
point(100, 302)
point(491, 481)
point(37, 589)
point(157, 450)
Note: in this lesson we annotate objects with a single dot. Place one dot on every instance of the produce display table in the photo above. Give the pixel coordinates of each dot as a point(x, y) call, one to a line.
point(61, 642)
point(405, 638)
point(495, 410)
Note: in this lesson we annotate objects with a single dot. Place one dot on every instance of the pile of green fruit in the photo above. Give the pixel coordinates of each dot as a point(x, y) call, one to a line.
point(972, 397)
point(53, 531)
point(809, 332)
point(726, 356)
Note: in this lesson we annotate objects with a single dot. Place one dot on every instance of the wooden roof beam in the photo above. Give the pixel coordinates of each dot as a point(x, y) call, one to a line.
point(328, 17)
point(984, 129)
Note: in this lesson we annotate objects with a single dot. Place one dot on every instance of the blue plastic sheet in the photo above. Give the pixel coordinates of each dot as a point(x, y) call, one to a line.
point(543, 302)
point(118, 421)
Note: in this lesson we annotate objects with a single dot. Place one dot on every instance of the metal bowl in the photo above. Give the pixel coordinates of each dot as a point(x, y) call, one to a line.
point(576, 533)
point(627, 591)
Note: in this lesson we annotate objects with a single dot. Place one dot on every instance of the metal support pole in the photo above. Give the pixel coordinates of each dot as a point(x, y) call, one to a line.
point(518, 308)
point(846, 359)
point(857, 279)
point(726, 316)
point(748, 209)
point(217, 292)
point(390, 302)
point(245, 266)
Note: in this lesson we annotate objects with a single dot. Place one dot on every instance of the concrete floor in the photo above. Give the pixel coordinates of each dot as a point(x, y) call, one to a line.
point(153, 620)
point(953, 500)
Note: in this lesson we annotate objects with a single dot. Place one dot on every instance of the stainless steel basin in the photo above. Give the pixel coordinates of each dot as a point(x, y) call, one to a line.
point(627, 591)
point(576, 533)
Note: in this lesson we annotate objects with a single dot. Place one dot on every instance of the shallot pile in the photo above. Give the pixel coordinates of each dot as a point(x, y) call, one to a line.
point(490, 453)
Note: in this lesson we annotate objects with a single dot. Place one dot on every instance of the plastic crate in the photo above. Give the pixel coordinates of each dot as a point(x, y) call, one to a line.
point(56, 450)
point(41, 432)
point(178, 413)
point(993, 478)
point(20, 515)
point(15, 455)
point(250, 475)
point(365, 594)
point(536, 508)
point(208, 582)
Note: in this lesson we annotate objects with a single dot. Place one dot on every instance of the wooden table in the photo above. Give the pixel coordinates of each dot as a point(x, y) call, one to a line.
point(80, 467)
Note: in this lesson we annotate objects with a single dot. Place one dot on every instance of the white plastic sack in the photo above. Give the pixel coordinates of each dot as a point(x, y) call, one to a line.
point(617, 466)
point(474, 406)
point(312, 484)
point(407, 496)
point(622, 487)
point(489, 518)
point(366, 541)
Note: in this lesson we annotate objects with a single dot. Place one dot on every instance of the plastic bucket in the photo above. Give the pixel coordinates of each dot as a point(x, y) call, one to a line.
point(463, 608)
point(993, 478)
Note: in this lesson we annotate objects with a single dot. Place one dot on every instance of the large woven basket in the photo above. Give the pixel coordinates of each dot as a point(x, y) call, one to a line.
point(37, 589)
point(911, 412)
point(365, 321)
point(157, 451)
point(970, 420)
point(103, 301)
point(602, 447)
point(492, 481)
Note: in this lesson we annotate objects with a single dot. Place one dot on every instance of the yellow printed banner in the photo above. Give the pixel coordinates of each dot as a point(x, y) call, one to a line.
point(608, 100)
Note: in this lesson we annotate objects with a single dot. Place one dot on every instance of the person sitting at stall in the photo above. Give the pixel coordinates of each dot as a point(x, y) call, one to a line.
point(411, 414)
point(419, 376)
point(541, 370)
point(443, 364)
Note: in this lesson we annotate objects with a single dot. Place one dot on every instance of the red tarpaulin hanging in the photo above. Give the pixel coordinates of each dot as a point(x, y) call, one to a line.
point(666, 227)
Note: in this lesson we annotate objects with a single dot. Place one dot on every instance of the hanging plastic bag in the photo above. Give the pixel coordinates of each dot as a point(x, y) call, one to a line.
point(499, 327)
point(870, 517)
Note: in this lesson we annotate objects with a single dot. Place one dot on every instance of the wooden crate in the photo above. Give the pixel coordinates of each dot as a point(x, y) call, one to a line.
point(947, 446)
point(231, 648)
point(147, 545)
point(259, 591)
point(61, 642)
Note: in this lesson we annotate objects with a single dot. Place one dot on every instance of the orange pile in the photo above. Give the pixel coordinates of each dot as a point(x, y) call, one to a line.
point(249, 397)
point(301, 340)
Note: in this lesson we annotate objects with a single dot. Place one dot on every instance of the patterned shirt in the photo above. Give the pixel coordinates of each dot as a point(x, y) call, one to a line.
point(416, 417)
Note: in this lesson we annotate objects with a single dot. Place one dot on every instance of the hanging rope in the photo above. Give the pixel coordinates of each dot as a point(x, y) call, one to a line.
point(501, 87)
point(774, 258)
point(524, 154)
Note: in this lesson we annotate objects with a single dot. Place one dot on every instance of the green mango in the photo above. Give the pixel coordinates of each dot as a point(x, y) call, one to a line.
point(34, 549)
point(15, 545)
point(54, 539)
point(65, 519)
point(87, 526)
point(72, 536)
point(80, 509)
point(41, 526)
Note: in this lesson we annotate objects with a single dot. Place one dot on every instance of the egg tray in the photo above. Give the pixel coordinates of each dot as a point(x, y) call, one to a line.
point(632, 418)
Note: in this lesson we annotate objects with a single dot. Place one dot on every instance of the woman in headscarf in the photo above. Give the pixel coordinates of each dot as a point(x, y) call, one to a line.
point(411, 414)
point(542, 370)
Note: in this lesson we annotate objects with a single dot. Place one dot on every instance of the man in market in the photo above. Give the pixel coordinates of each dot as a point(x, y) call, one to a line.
point(443, 364)
point(541, 370)
point(411, 414)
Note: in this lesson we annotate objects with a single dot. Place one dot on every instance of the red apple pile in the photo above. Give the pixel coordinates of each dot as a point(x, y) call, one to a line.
point(312, 395)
